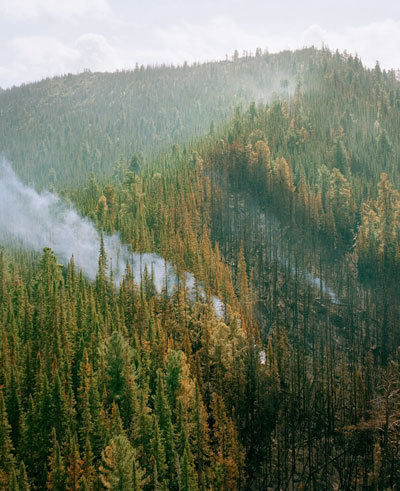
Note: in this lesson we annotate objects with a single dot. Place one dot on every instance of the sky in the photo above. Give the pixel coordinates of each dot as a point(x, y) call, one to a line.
point(41, 38)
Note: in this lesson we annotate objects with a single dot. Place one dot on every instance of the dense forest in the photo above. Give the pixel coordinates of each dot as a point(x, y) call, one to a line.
point(64, 128)
point(285, 208)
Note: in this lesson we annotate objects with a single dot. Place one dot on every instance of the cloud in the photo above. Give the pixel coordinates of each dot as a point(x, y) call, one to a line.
point(211, 40)
point(43, 50)
point(36, 57)
point(28, 9)
point(372, 42)
point(29, 58)
point(97, 53)
point(221, 35)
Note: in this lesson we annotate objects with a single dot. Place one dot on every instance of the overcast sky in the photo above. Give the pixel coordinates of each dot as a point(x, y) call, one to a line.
point(50, 37)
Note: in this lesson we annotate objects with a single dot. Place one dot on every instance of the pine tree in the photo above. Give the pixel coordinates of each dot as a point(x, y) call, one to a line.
point(142, 429)
point(56, 479)
point(14, 410)
point(118, 357)
point(158, 455)
point(7, 459)
point(188, 478)
point(74, 464)
point(23, 482)
point(88, 469)
point(13, 483)
point(201, 449)
point(242, 283)
point(58, 407)
point(119, 470)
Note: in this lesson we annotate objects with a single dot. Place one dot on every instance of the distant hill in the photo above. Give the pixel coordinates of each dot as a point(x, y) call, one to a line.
point(59, 130)
point(63, 128)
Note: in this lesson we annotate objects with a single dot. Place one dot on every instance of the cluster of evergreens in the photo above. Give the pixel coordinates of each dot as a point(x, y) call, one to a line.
point(104, 389)
point(289, 214)
point(61, 129)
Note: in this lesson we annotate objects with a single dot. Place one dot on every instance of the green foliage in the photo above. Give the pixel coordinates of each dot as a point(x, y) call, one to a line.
point(119, 469)
point(292, 386)
point(77, 124)
point(7, 459)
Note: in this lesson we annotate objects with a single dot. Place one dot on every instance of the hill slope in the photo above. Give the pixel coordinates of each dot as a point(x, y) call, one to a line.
point(65, 127)
point(283, 215)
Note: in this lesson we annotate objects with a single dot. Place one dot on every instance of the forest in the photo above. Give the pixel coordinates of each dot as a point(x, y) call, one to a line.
point(274, 181)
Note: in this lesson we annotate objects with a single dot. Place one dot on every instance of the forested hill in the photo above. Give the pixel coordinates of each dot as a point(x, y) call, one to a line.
point(288, 214)
point(65, 127)
point(60, 130)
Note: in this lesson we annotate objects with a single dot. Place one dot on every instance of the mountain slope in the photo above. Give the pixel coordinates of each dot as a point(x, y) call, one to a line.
point(282, 214)
point(62, 129)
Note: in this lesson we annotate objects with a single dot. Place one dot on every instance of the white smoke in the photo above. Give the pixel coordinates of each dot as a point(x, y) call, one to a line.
point(39, 220)
point(315, 281)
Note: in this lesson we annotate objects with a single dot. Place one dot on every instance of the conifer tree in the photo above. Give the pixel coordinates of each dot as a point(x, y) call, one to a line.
point(119, 469)
point(7, 459)
point(188, 478)
point(23, 481)
point(14, 410)
point(74, 464)
point(57, 476)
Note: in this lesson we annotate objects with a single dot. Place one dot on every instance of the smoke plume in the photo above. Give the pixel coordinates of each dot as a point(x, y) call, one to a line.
point(39, 220)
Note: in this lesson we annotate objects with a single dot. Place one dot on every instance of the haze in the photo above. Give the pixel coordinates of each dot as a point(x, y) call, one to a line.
point(43, 38)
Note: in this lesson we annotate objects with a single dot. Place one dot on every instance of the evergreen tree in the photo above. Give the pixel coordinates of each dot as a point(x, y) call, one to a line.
point(57, 476)
point(7, 459)
point(119, 469)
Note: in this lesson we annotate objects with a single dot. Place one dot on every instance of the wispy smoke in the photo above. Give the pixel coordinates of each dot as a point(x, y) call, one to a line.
point(40, 220)
point(280, 255)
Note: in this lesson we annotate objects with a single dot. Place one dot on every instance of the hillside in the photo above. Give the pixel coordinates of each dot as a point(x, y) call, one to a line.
point(62, 129)
point(286, 215)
